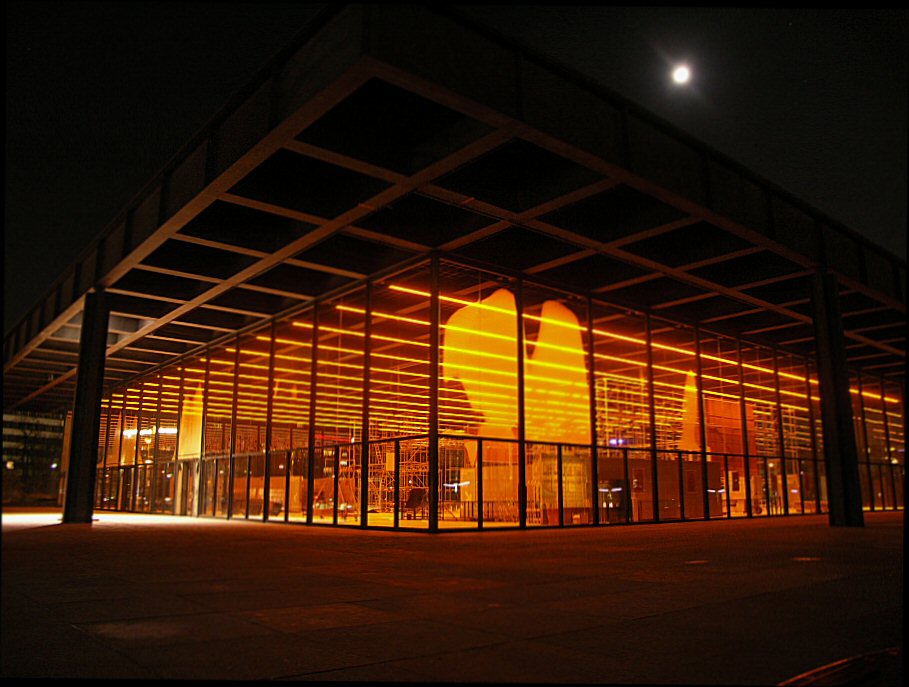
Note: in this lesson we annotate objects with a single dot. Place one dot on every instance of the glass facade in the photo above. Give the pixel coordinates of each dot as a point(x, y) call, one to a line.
point(445, 397)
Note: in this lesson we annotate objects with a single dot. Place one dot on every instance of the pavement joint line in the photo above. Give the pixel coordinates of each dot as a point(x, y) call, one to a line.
point(113, 648)
point(430, 654)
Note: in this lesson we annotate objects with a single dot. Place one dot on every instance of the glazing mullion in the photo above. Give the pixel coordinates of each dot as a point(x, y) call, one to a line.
point(888, 453)
point(681, 462)
point(479, 484)
point(269, 405)
point(154, 463)
point(337, 475)
point(592, 398)
point(99, 484)
point(627, 487)
point(434, 341)
point(364, 433)
point(726, 480)
point(653, 428)
point(397, 487)
point(867, 457)
point(522, 457)
point(197, 480)
point(176, 461)
point(702, 423)
point(814, 447)
point(134, 483)
point(561, 500)
point(232, 460)
point(779, 428)
point(311, 434)
point(744, 421)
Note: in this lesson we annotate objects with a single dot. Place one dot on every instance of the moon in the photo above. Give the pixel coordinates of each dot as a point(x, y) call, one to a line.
point(681, 74)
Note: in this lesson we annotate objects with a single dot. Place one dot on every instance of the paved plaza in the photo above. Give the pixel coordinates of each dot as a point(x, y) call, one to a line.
point(742, 602)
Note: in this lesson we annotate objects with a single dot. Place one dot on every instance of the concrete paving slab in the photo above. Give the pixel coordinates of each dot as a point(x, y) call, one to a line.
point(264, 657)
point(320, 617)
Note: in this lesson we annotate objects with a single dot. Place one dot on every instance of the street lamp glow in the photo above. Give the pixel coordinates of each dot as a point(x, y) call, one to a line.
point(681, 74)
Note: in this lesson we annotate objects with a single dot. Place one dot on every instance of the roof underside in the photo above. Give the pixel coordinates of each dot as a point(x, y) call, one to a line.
point(356, 152)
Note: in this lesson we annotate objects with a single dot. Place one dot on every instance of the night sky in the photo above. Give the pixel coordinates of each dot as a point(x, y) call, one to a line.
point(100, 96)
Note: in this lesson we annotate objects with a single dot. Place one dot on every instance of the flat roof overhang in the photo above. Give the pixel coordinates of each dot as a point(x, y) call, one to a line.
point(355, 151)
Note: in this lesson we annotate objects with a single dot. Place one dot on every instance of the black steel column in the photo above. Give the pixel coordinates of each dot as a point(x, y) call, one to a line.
point(843, 488)
point(522, 467)
point(592, 387)
point(653, 431)
point(80, 478)
point(434, 325)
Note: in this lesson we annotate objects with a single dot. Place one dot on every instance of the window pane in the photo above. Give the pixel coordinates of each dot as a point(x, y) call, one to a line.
point(399, 362)
point(640, 471)
point(668, 480)
point(478, 383)
point(339, 384)
point(542, 477)
point(252, 408)
point(556, 382)
point(381, 483)
point(298, 492)
point(576, 485)
point(479, 376)
point(290, 407)
point(693, 485)
point(457, 483)
point(737, 484)
point(722, 394)
point(675, 390)
point(189, 435)
point(413, 507)
point(613, 489)
point(620, 362)
point(759, 493)
point(809, 485)
point(500, 483)
point(761, 409)
point(349, 471)
point(717, 486)
point(896, 430)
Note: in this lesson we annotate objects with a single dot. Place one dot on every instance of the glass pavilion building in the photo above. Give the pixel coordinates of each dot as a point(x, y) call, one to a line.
point(443, 284)
point(448, 396)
